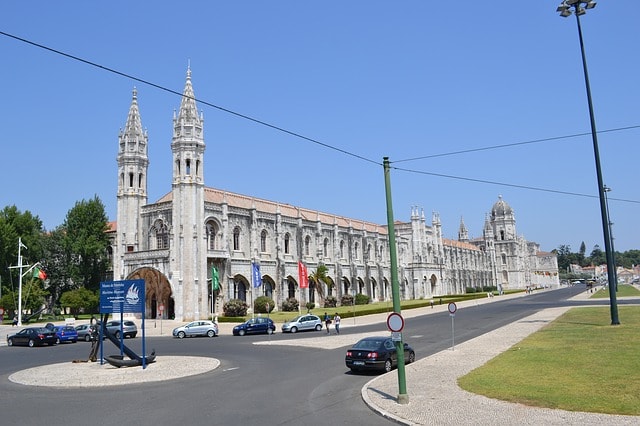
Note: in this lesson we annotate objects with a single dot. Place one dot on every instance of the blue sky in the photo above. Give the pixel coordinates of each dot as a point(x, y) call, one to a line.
point(405, 80)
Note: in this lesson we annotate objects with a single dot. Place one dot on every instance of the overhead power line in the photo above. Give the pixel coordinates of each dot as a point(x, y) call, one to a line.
point(334, 148)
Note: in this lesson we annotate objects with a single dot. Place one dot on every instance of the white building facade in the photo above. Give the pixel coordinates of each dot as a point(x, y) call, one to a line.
point(175, 242)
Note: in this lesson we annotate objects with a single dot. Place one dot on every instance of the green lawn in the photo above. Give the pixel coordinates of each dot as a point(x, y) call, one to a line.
point(578, 363)
point(623, 290)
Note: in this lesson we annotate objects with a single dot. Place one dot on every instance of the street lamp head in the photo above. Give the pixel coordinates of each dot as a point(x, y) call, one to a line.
point(565, 7)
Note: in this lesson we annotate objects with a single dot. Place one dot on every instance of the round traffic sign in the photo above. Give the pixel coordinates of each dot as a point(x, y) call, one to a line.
point(452, 308)
point(395, 322)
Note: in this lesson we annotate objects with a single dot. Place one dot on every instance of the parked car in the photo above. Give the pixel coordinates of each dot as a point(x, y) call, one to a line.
point(66, 333)
point(196, 328)
point(33, 336)
point(254, 326)
point(85, 332)
point(129, 328)
point(303, 323)
point(376, 353)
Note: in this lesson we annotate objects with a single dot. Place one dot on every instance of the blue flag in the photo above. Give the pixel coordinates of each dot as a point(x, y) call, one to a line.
point(257, 278)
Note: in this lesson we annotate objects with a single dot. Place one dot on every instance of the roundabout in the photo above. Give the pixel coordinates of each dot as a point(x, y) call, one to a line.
point(94, 374)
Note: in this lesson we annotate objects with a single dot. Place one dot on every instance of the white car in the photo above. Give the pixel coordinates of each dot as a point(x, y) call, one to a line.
point(196, 328)
point(303, 323)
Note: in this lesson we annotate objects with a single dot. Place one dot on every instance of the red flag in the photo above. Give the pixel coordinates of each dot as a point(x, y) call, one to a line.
point(39, 273)
point(303, 277)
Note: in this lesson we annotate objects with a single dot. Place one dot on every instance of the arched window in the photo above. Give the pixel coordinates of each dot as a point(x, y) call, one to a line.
point(341, 249)
point(236, 238)
point(355, 250)
point(325, 247)
point(212, 235)
point(287, 248)
point(307, 244)
point(504, 259)
point(263, 241)
point(161, 233)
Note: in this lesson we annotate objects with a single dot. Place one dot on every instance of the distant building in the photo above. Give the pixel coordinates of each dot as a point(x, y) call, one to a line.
point(175, 242)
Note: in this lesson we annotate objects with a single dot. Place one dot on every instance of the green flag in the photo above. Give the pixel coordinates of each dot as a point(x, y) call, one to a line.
point(215, 280)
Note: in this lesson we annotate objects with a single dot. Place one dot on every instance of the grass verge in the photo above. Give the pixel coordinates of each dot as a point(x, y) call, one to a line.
point(579, 362)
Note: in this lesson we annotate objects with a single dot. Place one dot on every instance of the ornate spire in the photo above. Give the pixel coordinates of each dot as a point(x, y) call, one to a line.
point(133, 133)
point(463, 234)
point(188, 111)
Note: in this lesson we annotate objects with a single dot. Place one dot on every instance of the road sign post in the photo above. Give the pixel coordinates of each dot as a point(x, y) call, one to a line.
point(452, 313)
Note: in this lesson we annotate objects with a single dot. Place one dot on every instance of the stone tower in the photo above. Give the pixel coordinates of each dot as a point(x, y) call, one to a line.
point(133, 164)
point(188, 247)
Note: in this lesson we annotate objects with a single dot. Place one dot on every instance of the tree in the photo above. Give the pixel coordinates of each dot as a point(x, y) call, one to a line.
point(583, 250)
point(15, 225)
point(57, 263)
point(320, 277)
point(79, 299)
point(564, 257)
point(597, 256)
point(86, 242)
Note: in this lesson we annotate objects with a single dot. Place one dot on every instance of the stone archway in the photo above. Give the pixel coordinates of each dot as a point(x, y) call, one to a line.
point(157, 293)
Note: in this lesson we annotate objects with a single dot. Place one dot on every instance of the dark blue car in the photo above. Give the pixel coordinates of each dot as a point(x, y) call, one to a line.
point(66, 333)
point(257, 325)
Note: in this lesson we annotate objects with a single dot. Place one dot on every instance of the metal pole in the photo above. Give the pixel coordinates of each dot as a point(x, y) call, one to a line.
point(403, 398)
point(20, 245)
point(603, 207)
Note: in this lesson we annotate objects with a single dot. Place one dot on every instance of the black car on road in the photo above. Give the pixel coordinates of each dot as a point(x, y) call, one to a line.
point(254, 326)
point(33, 336)
point(376, 353)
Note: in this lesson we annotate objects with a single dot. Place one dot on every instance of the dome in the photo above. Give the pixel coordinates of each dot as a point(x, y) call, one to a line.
point(501, 208)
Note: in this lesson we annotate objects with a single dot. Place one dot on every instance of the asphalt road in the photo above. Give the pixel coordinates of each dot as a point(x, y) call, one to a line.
point(255, 384)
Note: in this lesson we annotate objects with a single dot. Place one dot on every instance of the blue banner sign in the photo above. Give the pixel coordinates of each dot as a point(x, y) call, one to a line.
point(125, 296)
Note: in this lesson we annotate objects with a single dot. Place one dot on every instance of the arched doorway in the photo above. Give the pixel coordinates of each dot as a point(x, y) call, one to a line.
point(159, 301)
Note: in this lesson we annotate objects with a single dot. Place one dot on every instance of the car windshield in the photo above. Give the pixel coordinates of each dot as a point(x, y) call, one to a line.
point(368, 344)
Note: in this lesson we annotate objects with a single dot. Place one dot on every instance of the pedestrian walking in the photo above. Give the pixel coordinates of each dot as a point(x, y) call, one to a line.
point(336, 319)
point(15, 321)
point(327, 322)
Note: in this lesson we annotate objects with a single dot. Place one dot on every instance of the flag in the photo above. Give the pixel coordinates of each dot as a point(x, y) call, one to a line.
point(257, 278)
point(303, 277)
point(215, 279)
point(39, 273)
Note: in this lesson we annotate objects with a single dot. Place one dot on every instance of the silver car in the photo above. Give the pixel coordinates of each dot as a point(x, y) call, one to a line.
point(129, 328)
point(196, 328)
point(302, 323)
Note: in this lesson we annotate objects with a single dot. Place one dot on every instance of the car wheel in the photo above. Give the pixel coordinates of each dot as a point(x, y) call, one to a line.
point(31, 343)
point(211, 333)
point(388, 365)
point(318, 327)
point(117, 334)
point(87, 338)
point(293, 329)
point(241, 332)
point(412, 357)
point(10, 342)
point(269, 330)
point(181, 335)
